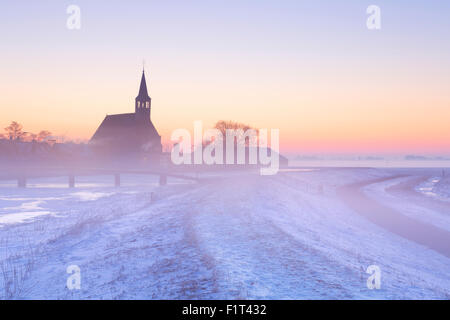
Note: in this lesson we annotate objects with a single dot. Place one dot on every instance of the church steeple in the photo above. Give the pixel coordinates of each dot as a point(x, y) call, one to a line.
point(143, 102)
point(143, 93)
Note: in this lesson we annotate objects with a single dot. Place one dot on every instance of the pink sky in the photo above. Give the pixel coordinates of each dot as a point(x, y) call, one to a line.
point(329, 84)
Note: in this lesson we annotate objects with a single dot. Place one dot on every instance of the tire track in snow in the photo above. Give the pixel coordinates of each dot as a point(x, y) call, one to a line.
point(256, 258)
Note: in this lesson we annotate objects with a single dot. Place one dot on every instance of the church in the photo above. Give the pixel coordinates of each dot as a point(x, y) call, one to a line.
point(129, 135)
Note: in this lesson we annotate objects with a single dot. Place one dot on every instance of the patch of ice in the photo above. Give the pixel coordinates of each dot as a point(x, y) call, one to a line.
point(91, 196)
point(32, 199)
point(28, 206)
point(21, 217)
point(435, 187)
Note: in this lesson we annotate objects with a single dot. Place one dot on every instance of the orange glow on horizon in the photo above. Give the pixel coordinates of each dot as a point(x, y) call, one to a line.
point(315, 114)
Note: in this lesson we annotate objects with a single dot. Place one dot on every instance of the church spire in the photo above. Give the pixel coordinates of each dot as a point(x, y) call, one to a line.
point(143, 93)
point(143, 102)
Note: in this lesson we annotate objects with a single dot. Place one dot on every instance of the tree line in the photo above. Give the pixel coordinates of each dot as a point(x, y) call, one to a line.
point(15, 132)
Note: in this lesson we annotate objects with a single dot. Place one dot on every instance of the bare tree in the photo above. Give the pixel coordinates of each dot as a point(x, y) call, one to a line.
point(222, 126)
point(15, 131)
point(43, 135)
point(32, 136)
point(240, 128)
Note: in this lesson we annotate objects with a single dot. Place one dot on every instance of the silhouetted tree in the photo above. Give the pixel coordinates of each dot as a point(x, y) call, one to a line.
point(32, 136)
point(43, 135)
point(15, 131)
point(223, 126)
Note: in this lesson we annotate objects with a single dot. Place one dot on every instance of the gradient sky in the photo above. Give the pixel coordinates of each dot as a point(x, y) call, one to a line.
point(310, 68)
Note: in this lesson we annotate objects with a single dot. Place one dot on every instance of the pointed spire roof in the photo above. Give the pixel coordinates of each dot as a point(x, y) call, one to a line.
point(143, 93)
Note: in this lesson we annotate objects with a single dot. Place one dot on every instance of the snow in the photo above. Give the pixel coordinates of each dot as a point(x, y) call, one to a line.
point(21, 216)
point(437, 187)
point(237, 236)
point(411, 205)
point(91, 196)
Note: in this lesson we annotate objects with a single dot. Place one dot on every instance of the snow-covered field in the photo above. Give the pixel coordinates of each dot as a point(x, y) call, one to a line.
point(437, 187)
point(237, 236)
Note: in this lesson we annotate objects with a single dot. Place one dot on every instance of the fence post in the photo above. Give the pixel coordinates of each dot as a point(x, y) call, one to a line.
point(22, 182)
point(71, 181)
point(162, 180)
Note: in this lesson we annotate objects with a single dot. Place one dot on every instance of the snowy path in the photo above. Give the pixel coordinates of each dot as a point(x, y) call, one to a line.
point(255, 258)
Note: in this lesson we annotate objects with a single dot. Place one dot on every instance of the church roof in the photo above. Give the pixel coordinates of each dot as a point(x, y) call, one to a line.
point(125, 133)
